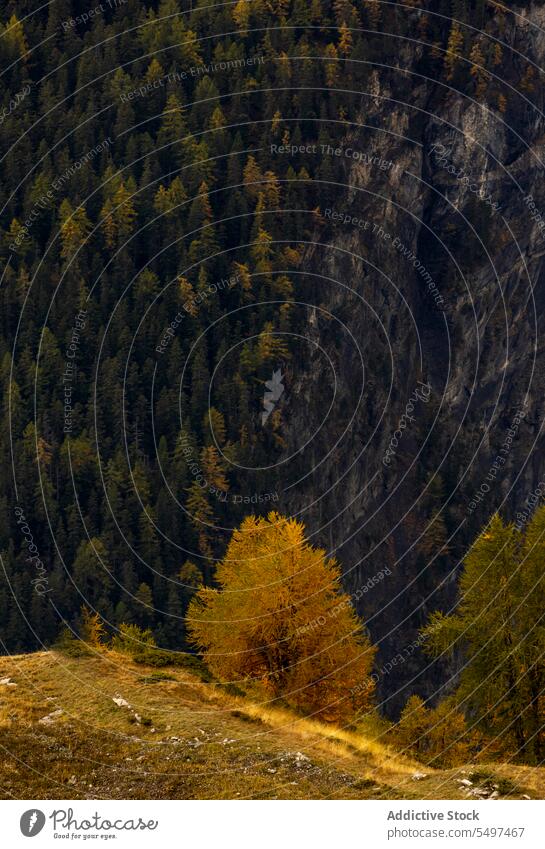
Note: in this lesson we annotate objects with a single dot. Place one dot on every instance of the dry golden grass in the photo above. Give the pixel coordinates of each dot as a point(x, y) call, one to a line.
point(191, 740)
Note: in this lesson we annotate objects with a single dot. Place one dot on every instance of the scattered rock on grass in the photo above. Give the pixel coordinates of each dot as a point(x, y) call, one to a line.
point(51, 717)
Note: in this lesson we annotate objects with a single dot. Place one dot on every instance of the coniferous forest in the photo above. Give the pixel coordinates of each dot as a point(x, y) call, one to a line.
point(271, 297)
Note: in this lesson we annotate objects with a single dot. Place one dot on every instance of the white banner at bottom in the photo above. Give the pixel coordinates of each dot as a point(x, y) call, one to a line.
point(274, 824)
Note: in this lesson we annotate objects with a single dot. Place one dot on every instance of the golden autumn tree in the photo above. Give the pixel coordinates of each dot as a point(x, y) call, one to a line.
point(13, 38)
point(345, 40)
point(280, 618)
point(187, 293)
point(241, 14)
point(252, 178)
point(118, 215)
point(498, 626)
point(331, 67)
point(478, 70)
point(454, 51)
point(75, 227)
point(271, 345)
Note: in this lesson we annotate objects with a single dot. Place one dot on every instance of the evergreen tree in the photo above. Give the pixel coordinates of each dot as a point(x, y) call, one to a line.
point(497, 625)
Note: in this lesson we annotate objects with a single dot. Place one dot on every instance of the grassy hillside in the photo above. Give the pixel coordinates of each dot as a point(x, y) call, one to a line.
point(171, 735)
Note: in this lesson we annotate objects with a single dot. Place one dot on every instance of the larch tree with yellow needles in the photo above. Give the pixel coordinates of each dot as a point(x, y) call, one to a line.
point(280, 618)
point(499, 627)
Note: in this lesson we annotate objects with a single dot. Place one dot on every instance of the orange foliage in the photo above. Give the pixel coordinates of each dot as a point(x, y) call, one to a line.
point(280, 618)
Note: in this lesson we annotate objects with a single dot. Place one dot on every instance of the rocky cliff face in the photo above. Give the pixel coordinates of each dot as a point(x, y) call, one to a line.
point(427, 278)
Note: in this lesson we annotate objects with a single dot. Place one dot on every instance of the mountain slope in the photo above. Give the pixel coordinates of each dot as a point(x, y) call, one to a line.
point(63, 736)
point(433, 270)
